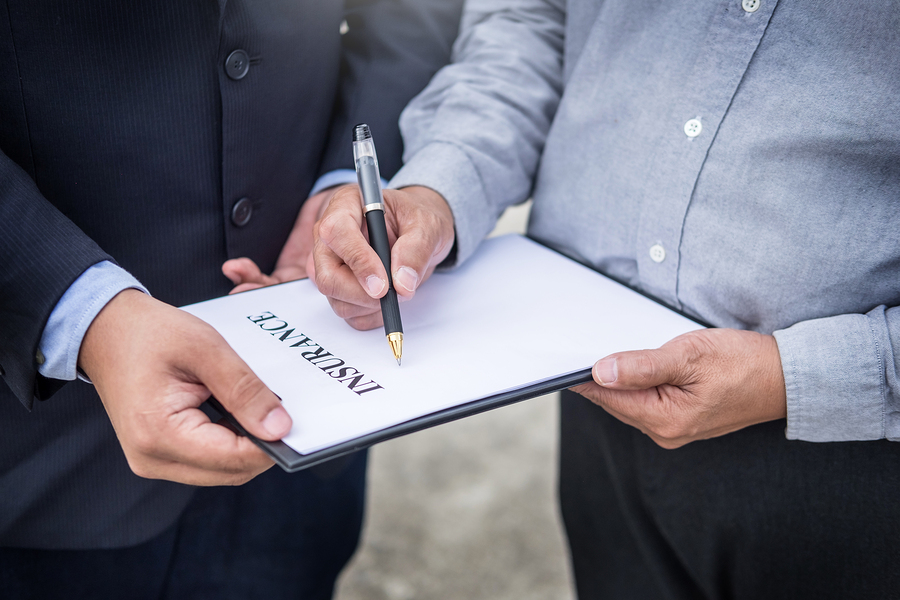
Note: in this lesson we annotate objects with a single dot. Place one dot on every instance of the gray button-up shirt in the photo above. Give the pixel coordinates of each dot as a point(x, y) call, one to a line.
point(739, 161)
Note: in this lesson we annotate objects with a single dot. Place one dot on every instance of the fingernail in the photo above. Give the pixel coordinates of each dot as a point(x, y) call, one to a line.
point(606, 371)
point(407, 278)
point(277, 423)
point(374, 285)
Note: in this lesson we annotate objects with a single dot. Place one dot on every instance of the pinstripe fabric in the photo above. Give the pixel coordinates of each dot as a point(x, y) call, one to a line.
point(122, 136)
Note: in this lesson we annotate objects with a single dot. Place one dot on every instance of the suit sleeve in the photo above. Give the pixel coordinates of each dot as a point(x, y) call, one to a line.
point(389, 53)
point(41, 254)
point(476, 133)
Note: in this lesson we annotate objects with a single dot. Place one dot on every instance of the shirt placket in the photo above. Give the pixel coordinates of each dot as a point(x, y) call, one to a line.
point(690, 126)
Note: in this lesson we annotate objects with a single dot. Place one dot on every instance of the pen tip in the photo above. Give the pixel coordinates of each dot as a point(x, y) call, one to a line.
point(396, 341)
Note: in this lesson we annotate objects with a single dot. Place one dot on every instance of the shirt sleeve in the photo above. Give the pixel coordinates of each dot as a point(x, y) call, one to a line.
point(476, 133)
point(73, 314)
point(841, 377)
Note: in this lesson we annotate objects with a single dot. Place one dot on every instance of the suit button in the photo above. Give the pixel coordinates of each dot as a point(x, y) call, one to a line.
point(241, 212)
point(237, 64)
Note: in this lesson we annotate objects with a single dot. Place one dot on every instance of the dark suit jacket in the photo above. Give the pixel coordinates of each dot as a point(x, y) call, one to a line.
point(124, 137)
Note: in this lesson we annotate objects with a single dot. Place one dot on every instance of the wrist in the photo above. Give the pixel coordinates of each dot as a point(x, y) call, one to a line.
point(110, 323)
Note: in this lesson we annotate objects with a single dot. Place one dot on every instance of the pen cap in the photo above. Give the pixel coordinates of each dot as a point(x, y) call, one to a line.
point(363, 144)
point(366, 161)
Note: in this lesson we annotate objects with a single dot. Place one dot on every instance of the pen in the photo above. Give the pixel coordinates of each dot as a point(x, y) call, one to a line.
point(370, 185)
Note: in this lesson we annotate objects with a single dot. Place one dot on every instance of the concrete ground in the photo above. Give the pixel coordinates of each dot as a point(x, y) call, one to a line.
point(466, 510)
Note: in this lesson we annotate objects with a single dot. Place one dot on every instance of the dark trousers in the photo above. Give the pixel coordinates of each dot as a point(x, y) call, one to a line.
point(282, 535)
point(747, 515)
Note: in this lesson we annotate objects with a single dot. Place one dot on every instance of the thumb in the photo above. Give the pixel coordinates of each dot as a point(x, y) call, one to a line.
point(636, 370)
point(244, 395)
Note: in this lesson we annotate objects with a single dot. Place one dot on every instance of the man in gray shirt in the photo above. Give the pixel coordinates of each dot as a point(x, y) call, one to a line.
point(738, 161)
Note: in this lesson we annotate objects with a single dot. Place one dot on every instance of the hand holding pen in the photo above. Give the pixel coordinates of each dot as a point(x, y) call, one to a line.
point(348, 271)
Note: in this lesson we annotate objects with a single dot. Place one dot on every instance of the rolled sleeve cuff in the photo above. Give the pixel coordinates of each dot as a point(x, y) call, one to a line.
point(74, 313)
point(446, 169)
point(834, 379)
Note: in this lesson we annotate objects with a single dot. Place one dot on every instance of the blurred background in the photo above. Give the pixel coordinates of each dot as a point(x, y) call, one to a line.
point(468, 509)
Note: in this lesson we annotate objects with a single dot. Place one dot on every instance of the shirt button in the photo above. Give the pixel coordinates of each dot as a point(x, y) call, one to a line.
point(237, 64)
point(241, 212)
point(657, 253)
point(751, 5)
point(693, 128)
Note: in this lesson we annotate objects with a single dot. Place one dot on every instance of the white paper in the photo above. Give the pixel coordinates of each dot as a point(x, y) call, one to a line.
point(515, 314)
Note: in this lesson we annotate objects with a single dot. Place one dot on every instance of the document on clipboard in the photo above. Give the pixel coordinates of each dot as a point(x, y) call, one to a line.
point(517, 321)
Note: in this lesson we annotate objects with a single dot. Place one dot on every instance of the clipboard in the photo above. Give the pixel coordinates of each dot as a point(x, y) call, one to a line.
point(505, 310)
point(290, 460)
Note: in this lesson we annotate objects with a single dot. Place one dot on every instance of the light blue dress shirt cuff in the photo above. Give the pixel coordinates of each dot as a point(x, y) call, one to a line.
point(74, 313)
point(333, 178)
point(337, 177)
point(445, 168)
point(837, 374)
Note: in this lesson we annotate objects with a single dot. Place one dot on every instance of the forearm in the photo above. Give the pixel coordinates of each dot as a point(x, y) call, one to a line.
point(475, 135)
point(42, 253)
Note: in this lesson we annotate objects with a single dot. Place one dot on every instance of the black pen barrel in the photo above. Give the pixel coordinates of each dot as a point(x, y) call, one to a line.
point(390, 309)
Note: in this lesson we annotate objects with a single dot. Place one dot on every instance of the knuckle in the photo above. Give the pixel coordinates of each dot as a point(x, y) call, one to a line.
point(647, 365)
point(356, 257)
point(695, 346)
point(326, 283)
point(327, 226)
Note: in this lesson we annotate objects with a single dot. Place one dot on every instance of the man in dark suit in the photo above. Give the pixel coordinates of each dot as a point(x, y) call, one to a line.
point(160, 140)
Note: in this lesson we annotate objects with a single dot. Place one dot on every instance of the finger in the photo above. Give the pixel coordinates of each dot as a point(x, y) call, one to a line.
point(634, 407)
point(413, 258)
point(425, 228)
point(245, 287)
point(366, 322)
point(189, 475)
point(335, 280)
point(639, 369)
point(311, 267)
point(644, 410)
point(199, 452)
point(289, 272)
point(241, 392)
point(205, 475)
point(243, 270)
point(340, 231)
point(348, 311)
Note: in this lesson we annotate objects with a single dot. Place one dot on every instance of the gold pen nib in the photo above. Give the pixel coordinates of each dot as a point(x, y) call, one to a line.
point(396, 342)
